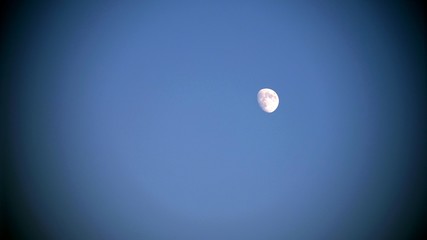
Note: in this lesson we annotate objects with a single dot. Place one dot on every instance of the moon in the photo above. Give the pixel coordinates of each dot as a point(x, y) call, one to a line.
point(268, 100)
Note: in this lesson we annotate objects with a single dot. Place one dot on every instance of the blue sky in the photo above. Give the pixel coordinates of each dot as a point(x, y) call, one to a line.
point(141, 121)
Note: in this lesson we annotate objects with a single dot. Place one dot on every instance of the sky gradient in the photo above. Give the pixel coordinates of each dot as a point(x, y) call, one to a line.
point(141, 121)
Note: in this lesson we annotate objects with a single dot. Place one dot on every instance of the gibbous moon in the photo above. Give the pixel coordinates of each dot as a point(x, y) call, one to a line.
point(268, 100)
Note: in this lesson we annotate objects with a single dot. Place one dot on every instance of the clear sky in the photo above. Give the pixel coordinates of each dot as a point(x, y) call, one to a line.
point(140, 121)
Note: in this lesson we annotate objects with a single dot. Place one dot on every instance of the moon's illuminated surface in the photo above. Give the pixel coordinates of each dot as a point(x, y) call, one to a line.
point(268, 100)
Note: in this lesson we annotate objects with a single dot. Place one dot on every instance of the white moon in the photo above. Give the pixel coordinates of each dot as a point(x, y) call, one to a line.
point(268, 100)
